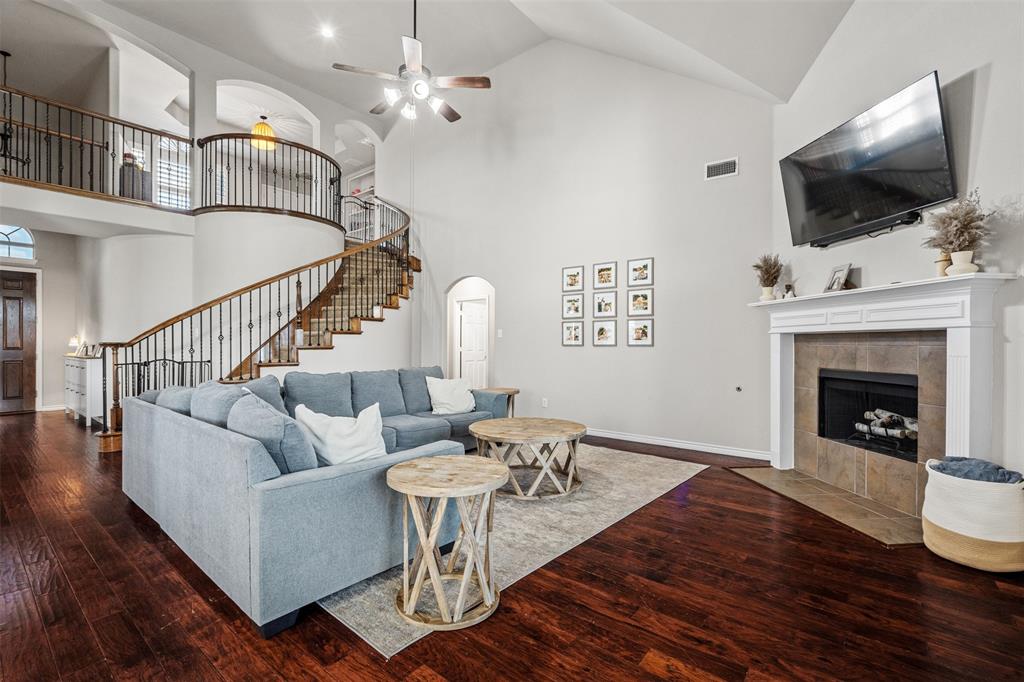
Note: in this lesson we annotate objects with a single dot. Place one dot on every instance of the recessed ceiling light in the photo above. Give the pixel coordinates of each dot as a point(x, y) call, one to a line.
point(326, 31)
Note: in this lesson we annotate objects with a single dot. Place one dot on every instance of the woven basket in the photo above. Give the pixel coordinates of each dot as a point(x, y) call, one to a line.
point(975, 523)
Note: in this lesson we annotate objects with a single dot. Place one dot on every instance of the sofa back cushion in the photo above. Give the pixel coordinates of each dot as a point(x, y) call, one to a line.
point(177, 398)
point(414, 387)
point(281, 435)
point(378, 387)
point(212, 401)
point(269, 389)
point(329, 394)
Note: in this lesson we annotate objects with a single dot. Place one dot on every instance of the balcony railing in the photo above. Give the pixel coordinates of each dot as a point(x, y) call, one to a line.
point(243, 172)
point(43, 142)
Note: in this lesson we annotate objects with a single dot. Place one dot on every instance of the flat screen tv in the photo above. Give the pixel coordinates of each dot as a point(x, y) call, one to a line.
point(873, 172)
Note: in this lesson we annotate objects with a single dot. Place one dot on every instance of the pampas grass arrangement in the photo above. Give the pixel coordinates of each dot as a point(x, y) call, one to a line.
point(961, 227)
point(768, 268)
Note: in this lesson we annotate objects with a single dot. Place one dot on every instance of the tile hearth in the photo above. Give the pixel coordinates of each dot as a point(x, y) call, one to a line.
point(889, 526)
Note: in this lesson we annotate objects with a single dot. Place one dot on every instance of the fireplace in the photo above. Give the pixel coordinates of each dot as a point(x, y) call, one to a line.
point(876, 411)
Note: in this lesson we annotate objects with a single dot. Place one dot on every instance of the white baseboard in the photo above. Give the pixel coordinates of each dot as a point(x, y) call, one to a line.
point(50, 408)
point(684, 444)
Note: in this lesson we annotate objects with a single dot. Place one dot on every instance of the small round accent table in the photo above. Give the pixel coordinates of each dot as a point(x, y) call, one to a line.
point(511, 393)
point(429, 483)
point(533, 442)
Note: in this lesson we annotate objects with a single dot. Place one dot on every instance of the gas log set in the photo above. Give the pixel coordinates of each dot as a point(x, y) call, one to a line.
point(887, 425)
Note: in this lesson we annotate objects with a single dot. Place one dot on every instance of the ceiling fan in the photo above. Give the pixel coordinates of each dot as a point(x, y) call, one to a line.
point(414, 82)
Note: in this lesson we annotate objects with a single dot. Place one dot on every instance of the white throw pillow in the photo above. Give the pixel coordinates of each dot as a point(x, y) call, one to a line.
point(450, 396)
point(340, 440)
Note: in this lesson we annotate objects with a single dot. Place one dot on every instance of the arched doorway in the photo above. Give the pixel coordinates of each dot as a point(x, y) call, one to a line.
point(470, 331)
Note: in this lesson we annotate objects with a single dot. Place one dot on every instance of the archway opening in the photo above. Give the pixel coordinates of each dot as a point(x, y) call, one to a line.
point(470, 331)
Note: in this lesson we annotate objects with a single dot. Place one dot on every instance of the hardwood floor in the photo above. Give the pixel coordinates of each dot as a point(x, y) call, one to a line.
point(719, 578)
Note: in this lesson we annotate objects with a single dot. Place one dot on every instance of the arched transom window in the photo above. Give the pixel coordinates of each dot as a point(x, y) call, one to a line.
point(16, 242)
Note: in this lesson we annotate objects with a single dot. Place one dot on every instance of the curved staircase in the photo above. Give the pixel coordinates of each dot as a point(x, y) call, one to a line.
point(268, 323)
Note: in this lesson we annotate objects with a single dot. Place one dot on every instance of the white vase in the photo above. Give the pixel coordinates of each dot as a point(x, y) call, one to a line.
point(767, 293)
point(962, 264)
point(941, 264)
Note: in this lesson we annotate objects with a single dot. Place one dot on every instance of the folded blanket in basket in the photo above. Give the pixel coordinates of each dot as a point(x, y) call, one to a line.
point(977, 470)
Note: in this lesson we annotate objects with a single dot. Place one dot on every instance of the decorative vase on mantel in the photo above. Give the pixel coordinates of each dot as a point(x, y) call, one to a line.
point(962, 263)
point(767, 294)
point(942, 263)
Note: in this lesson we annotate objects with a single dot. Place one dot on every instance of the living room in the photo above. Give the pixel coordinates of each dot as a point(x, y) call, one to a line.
point(217, 462)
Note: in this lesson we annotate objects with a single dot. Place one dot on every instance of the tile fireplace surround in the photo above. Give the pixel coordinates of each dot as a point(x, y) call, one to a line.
point(939, 329)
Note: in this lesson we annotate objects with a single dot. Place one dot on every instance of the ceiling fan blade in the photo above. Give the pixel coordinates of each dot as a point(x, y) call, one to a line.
point(449, 113)
point(446, 82)
point(380, 108)
point(365, 72)
point(413, 50)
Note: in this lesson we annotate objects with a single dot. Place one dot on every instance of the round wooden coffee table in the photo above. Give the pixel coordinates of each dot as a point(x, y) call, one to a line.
point(428, 484)
point(533, 442)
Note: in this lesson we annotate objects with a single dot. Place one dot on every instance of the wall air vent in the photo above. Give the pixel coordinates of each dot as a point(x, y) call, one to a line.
point(721, 169)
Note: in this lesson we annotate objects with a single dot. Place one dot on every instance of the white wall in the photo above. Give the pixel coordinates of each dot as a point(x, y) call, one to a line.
point(879, 48)
point(56, 256)
point(576, 157)
point(233, 250)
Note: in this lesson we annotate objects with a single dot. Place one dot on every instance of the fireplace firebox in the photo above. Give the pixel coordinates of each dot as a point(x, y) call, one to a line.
point(872, 410)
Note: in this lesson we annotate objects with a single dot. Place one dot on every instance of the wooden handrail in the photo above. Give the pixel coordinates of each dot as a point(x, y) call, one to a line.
point(96, 114)
point(268, 280)
point(203, 141)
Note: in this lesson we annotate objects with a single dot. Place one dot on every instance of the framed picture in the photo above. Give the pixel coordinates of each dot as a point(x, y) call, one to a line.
point(640, 332)
point(639, 272)
point(605, 275)
point(572, 278)
point(572, 306)
point(837, 279)
point(572, 333)
point(604, 333)
point(640, 302)
point(605, 303)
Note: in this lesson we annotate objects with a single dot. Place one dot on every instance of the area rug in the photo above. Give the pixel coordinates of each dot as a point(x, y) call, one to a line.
point(527, 534)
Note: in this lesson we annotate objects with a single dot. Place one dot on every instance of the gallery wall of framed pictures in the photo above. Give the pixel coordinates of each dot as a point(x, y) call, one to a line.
point(604, 303)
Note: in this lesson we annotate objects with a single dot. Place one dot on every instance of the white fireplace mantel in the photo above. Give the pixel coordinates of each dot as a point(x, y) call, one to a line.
point(961, 305)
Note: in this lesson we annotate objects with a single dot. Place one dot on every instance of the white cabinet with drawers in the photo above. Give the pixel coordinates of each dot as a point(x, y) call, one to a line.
point(83, 387)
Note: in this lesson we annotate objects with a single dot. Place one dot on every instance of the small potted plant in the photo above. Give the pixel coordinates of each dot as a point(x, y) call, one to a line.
point(959, 231)
point(769, 269)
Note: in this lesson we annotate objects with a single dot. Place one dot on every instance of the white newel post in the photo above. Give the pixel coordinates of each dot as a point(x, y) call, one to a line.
point(962, 305)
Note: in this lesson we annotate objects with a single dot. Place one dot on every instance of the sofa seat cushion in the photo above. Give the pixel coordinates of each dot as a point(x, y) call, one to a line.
point(268, 388)
point(414, 387)
point(212, 401)
point(177, 398)
point(459, 422)
point(413, 431)
point(390, 438)
point(329, 394)
point(378, 387)
point(284, 439)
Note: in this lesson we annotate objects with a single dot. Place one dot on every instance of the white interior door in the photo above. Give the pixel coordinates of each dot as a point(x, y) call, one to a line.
point(472, 345)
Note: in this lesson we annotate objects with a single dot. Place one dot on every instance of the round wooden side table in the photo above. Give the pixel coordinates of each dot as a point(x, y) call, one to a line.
point(533, 442)
point(511, 393)
point(429, 483)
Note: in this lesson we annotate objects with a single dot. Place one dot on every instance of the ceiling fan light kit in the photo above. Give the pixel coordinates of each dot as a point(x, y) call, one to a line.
point(414, 82)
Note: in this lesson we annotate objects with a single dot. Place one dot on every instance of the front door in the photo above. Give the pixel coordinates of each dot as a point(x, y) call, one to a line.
point(473, 342)
point(18, 345)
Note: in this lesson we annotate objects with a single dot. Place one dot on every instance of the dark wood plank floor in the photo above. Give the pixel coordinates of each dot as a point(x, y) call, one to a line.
point(719, 578)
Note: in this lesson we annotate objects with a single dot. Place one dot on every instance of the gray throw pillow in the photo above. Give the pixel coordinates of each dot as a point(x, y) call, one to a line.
point(269, 389)
point(177, 398)
point(149, 396)
point(281, 435)
point(212, 401)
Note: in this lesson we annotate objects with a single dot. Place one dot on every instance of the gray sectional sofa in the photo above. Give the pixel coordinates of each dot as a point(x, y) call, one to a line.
point(272, 534)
